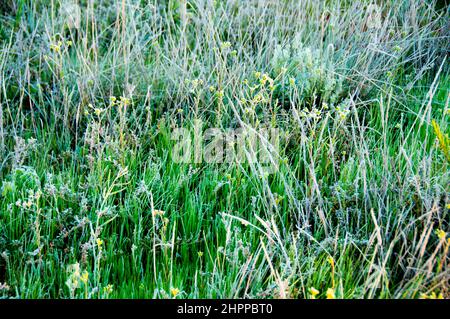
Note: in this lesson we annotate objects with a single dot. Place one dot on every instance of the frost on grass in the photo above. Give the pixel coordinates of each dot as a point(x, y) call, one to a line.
point(94, 204)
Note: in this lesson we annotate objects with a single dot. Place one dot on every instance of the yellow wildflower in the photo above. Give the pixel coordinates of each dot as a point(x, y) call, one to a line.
point(292, 82)
point(98, 111)
point(174, 291)
point(314, 292)
point(441, 234)
point(99, 242)
point(330, 293)
point(84, 277)
point(56, 47)
point(433, 295)
point(271, 87)
point(330, 261)
point(125, 101)
point(264, 79)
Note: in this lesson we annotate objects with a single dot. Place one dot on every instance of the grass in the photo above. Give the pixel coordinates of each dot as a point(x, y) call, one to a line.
point(93, 204)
